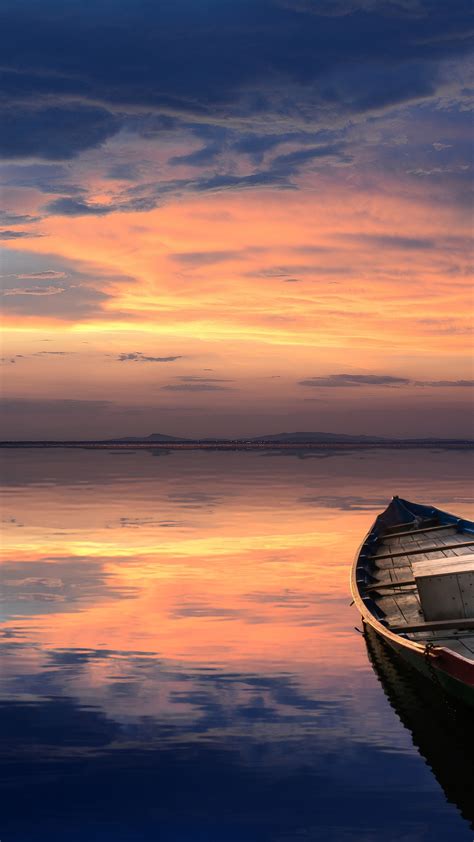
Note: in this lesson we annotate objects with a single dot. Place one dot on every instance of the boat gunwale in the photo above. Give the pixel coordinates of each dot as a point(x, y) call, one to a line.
point(367, 615)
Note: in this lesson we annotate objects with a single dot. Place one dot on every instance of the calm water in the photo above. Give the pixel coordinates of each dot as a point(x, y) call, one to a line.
point(179, 659)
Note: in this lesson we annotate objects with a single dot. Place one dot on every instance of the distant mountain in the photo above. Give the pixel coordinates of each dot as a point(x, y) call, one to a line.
point(295, 438)
point(290, 438)
point(154, 437)
point(317, 437)
point(296, 441)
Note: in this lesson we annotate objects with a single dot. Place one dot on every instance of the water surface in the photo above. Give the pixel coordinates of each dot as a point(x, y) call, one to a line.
point(179, 658)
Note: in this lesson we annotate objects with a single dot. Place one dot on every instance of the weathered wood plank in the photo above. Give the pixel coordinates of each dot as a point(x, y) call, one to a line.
point(417, 524)
point(387, 565)
point(409, 606)
point(411, 532)
point(377, 586)
point(459, 552)
point(391, 610)
point(457, 538)
point(418, 550)
point(438, 567)
point(434, 625)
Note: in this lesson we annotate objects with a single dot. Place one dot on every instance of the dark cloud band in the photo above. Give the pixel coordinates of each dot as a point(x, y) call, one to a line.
point(344, 381)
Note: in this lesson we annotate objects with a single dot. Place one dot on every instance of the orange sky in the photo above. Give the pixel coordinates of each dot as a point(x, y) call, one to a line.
point(253, 293)
point(216, 266)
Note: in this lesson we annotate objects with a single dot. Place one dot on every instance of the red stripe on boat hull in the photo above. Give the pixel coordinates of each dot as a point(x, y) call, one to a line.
point(456, 667)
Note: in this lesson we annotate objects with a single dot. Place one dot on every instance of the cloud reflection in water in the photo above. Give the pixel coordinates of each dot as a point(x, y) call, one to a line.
point(202, 682)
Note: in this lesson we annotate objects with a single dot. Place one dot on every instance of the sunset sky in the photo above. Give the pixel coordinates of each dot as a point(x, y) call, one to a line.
point(236, 217)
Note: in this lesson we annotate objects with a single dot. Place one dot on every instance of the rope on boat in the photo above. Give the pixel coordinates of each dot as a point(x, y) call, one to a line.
point(429, 655)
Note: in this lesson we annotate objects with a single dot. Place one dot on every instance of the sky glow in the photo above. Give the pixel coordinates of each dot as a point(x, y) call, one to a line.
point(236, 218)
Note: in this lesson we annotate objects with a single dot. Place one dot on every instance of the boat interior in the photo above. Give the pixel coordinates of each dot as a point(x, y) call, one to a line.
point(411, 545)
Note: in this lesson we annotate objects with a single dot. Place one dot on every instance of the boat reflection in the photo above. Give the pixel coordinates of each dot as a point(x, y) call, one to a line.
point(441, 730)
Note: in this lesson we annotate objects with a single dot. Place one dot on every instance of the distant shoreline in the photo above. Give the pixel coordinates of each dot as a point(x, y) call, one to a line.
point(422, 444)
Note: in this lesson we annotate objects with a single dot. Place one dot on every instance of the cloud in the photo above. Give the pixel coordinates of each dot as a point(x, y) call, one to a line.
point(123, 171)
point(54, 133)
point(396, 242)
point(360, 43)
point(291, 162)
point(70, 304)
point(256, 145)
point(17, 235)
point(447, 383)
point(36, 290)
point(138, 357)
point(137, 522)
point(202, 258)
point(174, 76)
point(216, 183)
point(146, 196)
point(200, 157)
point(7, 218)
point(73, 289)
point(288, 272)
point(353, 380)
point(194, 383)
point(49, 274)
point(191, 378)
point(195, 387)
point(343, 381)
point(276, 174)
point(46, 178)
point(68, 206)
point(16, 357)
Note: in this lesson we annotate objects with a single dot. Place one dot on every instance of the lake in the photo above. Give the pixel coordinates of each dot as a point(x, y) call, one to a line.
point(180, 660)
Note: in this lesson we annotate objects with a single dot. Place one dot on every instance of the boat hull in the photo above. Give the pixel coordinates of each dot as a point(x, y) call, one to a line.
point(452, 673)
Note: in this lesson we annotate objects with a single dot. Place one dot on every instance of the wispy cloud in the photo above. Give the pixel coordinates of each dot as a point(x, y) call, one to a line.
point(69, 206)
point(352, 380)
point(48, 275)
point(138, 357)
point(202, 258)
point(195, 387)
point(17, 235)
point(14, 357)
point(447, 383)
point(191, 378)
point(342, 381)
point(35, 290)
point(7, 218)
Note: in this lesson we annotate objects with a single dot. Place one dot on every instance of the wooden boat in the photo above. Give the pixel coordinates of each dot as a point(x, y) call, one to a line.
point(413, 583)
